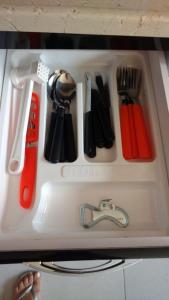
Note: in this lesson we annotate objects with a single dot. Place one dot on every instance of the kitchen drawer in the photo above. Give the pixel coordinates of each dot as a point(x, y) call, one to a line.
point(139, 187)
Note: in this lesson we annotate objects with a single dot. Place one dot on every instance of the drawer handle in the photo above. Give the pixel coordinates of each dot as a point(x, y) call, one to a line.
point(52, 267)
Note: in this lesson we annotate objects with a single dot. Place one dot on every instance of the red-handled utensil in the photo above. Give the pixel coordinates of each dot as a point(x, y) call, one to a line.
point(128, 136)
point(125, 130)
point(142, 137)
point(144, 145)
point(133, 137)
point(28, 176)
point(136, 143)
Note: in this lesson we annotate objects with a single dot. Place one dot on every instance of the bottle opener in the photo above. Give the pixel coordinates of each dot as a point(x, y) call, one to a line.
point(105, 211)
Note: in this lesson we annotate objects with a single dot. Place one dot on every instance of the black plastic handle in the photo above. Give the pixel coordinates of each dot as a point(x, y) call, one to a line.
point(69, 140)
point(107, 94)
point(55, 137)
point(50, 135)
point(100, 85)
point(105, 99)
point(103, 90)
point(103, 116)
point(89, 143)
point(98, 133)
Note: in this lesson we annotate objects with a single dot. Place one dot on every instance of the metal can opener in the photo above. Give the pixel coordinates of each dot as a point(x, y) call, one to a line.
point(105, 211)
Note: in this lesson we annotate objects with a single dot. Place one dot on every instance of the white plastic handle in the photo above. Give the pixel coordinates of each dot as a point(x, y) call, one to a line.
point(16, 161)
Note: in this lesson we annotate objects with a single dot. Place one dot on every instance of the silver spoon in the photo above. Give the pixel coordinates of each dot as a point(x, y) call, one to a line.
point(65, 88)
point(51, 82)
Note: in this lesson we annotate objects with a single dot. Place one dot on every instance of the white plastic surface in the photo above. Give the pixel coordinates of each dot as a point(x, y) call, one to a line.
point(141, 188)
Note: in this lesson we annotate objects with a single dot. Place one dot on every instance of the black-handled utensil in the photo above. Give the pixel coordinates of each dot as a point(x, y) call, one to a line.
point(53, 118)
point(107, 94)
point(105, 105)
point(102, 116)
point(98, 133)
point(61, 90)
point(89, 142)
point(54, 143)
point(69, 140)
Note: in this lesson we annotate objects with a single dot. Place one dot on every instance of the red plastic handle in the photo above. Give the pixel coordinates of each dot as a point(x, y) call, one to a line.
point(28, 177)
point(134, 146)
point(143, 141)
point(125, 132)
point(33, 124)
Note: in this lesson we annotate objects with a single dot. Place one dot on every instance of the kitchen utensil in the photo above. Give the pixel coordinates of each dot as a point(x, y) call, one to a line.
point(142, 137)
point(68, 137)
point(28, 175)
point(63, 92)
point(97, 128)
point(24, 79)
point(89, 142)
point(104, 97)
point(65, 88)
point(99, 107)
point(128, 135)
point(51, 82)
point(105, 211)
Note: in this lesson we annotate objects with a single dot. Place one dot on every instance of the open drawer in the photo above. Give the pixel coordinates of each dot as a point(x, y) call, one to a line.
point(141, 188)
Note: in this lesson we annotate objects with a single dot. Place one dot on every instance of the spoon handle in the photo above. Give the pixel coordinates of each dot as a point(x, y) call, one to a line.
point(55, 137)
point(89, 142)
point(69, 140)
point(50, 135)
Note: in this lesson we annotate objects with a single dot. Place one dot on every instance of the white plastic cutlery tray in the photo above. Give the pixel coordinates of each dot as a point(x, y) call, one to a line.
point(140, 188)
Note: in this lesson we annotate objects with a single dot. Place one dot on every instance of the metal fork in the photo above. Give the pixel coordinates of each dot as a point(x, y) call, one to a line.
point(122, 81)
point(128, 81)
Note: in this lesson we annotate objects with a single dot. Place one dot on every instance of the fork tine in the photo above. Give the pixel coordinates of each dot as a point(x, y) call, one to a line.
point(118, 78)
point(122, 78)
point(135, 79)
point(132, 78)
point(125, 78)
point(128, 80)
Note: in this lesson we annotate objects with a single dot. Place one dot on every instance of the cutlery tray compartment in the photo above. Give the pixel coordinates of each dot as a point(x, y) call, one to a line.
point(141, 188)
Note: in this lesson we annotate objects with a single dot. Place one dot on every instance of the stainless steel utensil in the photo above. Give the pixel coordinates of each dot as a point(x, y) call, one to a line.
point(51, 81)
point(105, 211)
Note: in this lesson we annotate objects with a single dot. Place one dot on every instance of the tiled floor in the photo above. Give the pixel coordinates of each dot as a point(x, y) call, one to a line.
point(146, 280)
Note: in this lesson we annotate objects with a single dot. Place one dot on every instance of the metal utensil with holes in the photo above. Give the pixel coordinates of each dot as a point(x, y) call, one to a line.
point(24, 80)
point(61, 89)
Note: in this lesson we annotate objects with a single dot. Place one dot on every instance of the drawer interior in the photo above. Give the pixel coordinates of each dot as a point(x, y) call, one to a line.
point(139, 187)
